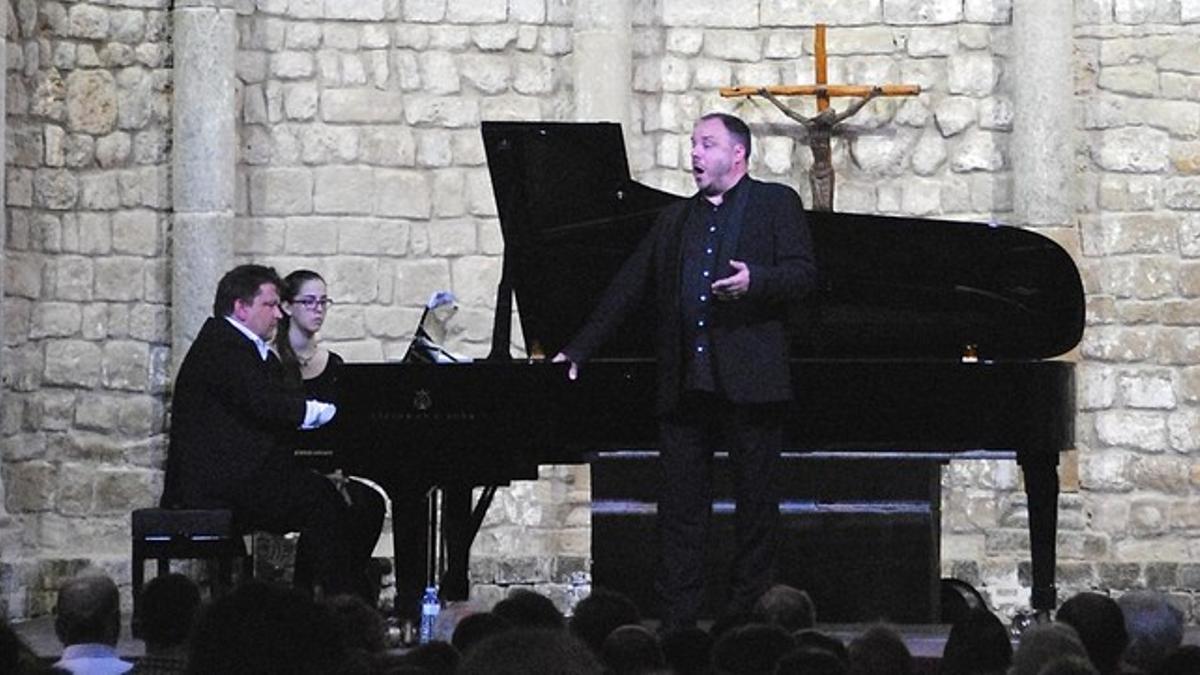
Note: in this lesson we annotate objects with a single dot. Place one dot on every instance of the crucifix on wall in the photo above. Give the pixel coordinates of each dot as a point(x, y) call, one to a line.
point(821, 126)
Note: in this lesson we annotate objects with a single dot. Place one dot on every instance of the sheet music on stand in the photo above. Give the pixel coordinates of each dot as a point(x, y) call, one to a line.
point(426, 345)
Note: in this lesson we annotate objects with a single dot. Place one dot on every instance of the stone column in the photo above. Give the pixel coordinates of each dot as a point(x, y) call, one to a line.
point(1043, 95)
point(603, 61)
point(203, 162)
point(3, 211)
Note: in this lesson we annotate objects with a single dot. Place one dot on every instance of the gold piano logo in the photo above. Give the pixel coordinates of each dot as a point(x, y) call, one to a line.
point(422, 400)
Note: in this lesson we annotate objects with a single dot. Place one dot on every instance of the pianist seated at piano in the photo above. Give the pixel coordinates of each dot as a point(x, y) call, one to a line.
point(312, 370)
point(232, 419)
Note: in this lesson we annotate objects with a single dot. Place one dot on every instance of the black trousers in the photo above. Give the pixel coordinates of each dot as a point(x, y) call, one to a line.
point(336, 536)
point(753, 436)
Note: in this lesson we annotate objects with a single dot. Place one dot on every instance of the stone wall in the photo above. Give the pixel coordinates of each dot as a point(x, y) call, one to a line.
point(85, 298)
point(360, 157)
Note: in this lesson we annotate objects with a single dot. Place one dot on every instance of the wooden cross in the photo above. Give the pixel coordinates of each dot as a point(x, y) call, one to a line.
point(820, 127)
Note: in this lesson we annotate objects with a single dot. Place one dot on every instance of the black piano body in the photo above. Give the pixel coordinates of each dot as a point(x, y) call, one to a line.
point(923, 337)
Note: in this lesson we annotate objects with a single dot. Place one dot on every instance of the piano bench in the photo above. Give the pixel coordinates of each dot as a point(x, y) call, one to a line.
point(164, 535)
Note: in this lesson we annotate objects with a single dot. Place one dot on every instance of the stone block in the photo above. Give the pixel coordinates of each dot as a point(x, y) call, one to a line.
point(141, 416)
point(954, 114)
point(343, 189)
point(988, 11)
point(91, 101)
point(476, 11)
point(54, 319)
point(1140, 430)
point(711, 13)
point(312, 236)
point(126, 365)
point(136, 232)
point(449, 193)
point(281, 191)
point(361, 106)
point(390, 322)
point(325, 144)
point(402, 193)
point(354, 278)
point(118, 491)
point(96, 412)
point(118, 278)
point(452, 238)
point(978, 151)
point(495, 37)
point(70, 278)
point(922, 12)
point(972, 74)
point(733, 45)
point(488, 73)
point(292, 65)
point(19, 187)
point(300, 101)
point(88, 22)
point(30, 486)
point(476, 279)
point(1183, 427)
point(1133, 150)
point(55, 189)
point(451, 112)
point(439, 71)
point(387, 146)
point(150, 323)
point(72, 363)
point(416, 279)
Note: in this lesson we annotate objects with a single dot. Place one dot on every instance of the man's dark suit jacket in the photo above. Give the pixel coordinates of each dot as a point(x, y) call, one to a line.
point(229, 415)
point(749, 344)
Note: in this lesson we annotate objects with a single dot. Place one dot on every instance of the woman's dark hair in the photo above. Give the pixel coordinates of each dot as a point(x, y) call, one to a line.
point(288, 291)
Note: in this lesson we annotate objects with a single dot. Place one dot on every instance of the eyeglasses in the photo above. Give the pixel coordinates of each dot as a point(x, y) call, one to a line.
point(311, 302)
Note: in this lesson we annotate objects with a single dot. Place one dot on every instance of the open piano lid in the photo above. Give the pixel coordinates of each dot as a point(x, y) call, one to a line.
point(904, 288)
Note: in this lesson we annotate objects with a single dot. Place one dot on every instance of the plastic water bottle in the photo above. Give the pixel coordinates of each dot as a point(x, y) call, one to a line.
point(430, 606)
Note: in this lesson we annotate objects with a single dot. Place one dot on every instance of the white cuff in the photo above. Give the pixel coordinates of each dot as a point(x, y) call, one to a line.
point(317, 413)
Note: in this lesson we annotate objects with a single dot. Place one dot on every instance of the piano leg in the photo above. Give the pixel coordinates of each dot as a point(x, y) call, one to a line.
point(1041, 491)
point(409, 531)
point(460, 524)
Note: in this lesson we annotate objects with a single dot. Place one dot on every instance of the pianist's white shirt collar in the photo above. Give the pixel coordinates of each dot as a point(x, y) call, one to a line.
point(258, 342)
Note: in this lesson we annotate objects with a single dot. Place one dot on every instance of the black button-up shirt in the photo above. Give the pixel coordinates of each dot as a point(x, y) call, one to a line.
point(703, 230)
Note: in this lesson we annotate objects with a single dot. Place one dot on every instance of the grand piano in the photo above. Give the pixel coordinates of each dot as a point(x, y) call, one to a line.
point(929, 339)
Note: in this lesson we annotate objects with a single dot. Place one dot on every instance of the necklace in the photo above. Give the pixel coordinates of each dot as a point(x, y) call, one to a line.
point(305, 360)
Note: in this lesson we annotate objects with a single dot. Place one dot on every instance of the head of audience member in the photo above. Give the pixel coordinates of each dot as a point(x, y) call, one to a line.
point(436, 658)
point(979, 643)
point(880, 651)
point(727, 622)
point(530, 651)
point(359, 626)
point(785, 606)
point(814, 638)
point(168, 609)
point(474, 628)
point(688, 651)
point(526, 609)
point(810, 661)
point(1184, 661)
point(1101, 627)
point(632, 650)
point(751, 649)
point(265, 628)
point(1154, 626)
point(1042, 643)
point(88, 610)
point(601, 613)
point(249, 294)
point(1069, 665)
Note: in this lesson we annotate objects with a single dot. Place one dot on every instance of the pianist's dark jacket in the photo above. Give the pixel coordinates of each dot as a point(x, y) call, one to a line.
point(749, 344)
point(230, 416)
